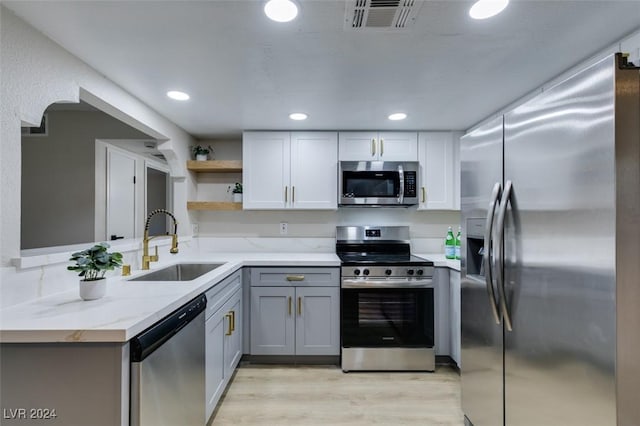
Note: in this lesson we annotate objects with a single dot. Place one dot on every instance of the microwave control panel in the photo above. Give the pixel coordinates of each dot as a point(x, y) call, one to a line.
point(410, 184)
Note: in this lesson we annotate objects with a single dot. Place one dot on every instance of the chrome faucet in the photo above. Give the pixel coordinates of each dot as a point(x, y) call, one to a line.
point(146, 258)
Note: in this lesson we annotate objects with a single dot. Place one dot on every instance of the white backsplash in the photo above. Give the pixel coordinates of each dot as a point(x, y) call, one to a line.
point(50, 275)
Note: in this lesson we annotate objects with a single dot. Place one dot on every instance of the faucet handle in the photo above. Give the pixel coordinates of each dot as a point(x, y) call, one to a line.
point(174, 244)
point(155, 257)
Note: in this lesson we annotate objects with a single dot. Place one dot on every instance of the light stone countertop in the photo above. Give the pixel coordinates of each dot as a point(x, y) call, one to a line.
point(130, 307)
point(439, 260)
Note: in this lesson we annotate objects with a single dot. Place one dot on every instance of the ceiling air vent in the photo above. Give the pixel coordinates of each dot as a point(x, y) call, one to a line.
point(381, 14)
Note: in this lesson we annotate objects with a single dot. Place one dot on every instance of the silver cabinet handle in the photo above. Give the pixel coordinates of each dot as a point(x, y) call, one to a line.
point(286, 193)
point(381, 146)
point(289, 305)
point(486, 257)
point(506, 199)
point(299, 306)
point(373, 147)
point(293, 194)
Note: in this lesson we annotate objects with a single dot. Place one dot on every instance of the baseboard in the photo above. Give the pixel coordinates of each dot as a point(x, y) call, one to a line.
point(248, 360)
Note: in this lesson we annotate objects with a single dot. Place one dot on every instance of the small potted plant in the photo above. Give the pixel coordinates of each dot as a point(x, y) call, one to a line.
point(236, 191)
point(92, 264)
point(201, 153)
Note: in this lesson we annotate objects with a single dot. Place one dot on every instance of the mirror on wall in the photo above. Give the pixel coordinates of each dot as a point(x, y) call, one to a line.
point(67, 172)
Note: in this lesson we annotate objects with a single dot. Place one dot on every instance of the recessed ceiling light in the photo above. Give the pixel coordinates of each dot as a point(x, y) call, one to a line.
point(298, 116)
point(483, 9)
point(281, 10)
point(397, 116)
point(178, 96)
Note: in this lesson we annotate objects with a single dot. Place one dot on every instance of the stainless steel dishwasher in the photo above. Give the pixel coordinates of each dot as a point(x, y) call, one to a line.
point(168, 369)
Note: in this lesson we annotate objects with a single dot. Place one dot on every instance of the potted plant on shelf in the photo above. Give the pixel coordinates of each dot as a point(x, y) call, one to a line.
point(92, 264)
point(236, 191)
point(201, 153)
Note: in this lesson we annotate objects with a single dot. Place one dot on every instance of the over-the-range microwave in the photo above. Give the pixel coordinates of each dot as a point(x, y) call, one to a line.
point(378, 183)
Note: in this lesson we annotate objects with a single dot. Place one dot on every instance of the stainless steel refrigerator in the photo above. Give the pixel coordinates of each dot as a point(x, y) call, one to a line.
point(550, 291)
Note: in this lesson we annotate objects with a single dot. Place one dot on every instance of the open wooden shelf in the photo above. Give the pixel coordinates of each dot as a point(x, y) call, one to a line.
point(215, 166)
point(213, 205)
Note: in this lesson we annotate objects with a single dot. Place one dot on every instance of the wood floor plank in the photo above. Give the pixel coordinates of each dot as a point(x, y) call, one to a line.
point(323, 395)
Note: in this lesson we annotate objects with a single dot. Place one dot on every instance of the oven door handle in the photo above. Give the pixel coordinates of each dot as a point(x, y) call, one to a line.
point(420, 283)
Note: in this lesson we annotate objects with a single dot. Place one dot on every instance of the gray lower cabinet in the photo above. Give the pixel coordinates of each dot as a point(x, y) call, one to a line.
point(223, 337)
point(442, 312)
point(295, 311)
point(454, 295)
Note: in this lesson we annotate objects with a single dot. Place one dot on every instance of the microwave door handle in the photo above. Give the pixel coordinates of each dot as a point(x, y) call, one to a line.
point(401, 176)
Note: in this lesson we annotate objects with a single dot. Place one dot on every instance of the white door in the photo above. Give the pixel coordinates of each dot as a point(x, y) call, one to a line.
point(437, 165)
point(398, 146)
point(265, 157)
point(314, 170)
point(358, 146)
point(121, 194)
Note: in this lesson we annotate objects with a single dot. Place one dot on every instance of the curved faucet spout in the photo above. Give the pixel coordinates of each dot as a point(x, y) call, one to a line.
point(146, 258)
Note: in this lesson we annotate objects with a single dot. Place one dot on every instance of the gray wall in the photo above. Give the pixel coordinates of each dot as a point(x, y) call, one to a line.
point(58, 177)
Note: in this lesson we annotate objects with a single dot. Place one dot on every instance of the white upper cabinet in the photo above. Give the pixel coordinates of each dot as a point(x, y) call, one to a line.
point(283, 170)
point(439, 165)
point(314, 170)
point(378, 146)
point(266, 169)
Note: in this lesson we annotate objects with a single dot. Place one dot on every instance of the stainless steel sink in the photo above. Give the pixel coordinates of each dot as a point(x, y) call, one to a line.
point(179, 272)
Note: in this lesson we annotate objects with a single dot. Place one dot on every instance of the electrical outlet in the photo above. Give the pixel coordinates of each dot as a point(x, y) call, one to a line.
point(284, 228)
point(195, 228)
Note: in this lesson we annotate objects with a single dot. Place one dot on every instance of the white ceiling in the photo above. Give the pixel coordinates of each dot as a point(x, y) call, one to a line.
point(246, 72)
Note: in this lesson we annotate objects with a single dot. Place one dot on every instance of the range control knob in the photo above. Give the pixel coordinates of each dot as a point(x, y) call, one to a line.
point(387, 272)
point(419, 272)
point(365, 272)
point(357, 271)
point(410, 271)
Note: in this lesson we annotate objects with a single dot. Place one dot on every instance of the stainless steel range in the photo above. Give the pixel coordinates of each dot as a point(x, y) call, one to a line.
point(387, 297)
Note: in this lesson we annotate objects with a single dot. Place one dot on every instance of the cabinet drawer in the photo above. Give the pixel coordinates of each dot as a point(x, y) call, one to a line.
point(289, 277)
point(219, 293)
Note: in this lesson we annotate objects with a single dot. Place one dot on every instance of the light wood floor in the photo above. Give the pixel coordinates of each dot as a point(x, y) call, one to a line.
point(323, 395)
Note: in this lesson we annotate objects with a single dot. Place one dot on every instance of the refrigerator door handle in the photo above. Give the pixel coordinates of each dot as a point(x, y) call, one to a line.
point(486, 257)
point(506, 199)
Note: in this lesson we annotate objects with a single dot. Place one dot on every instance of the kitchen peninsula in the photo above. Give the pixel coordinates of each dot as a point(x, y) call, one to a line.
point(85, 344)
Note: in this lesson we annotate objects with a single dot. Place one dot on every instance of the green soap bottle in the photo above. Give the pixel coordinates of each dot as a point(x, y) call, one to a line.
point(450, 245)
point(457, 250)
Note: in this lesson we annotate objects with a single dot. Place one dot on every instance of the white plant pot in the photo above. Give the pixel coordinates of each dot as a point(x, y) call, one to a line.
point(237, 197)
point(92, 290)
point(201, 157)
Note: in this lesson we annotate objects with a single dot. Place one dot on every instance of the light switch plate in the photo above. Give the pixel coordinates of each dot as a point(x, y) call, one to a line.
point(284, 228)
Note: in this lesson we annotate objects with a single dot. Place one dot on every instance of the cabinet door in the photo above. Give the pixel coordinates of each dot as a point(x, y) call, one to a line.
point(442, 324)
point(317, 321)
point(272, 321)
point(233, 340)
point(437, 181)
point(398, 146)
point(454, 296)
point(314, 170)
point(358, 146)
point(215, 328)
point(265, 157)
